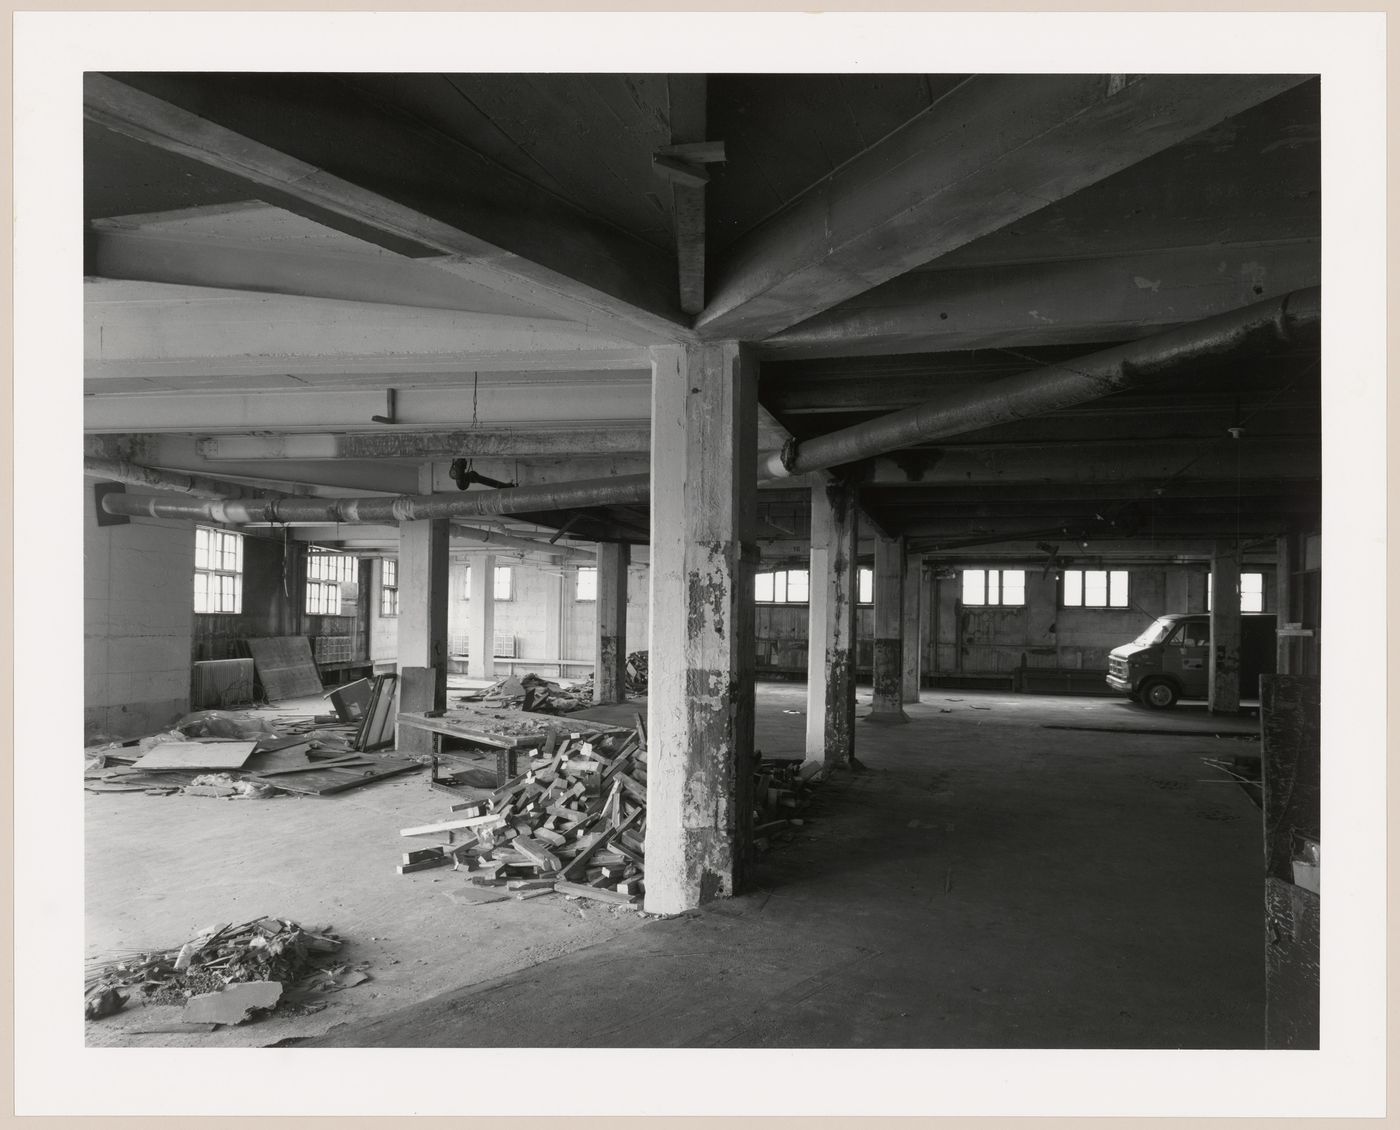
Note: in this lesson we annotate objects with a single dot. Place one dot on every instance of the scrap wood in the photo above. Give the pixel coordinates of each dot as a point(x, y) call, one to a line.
point(599, 894)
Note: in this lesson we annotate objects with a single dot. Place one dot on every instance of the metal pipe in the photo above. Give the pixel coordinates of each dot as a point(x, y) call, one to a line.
point(1295, 316)
point(494, 538)
point(198, 486)
point(617, 491)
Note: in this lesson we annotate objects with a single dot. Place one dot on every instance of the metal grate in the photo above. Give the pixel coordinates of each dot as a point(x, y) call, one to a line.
point(503, 646)
point(221, 682)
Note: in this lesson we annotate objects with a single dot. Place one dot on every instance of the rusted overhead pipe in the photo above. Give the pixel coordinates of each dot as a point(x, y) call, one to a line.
point(1293, 318)
point(617, 491)
point(493, 539)
point(196, 485)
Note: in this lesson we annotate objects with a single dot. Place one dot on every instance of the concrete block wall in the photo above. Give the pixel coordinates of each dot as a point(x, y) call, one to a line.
point(138, 597)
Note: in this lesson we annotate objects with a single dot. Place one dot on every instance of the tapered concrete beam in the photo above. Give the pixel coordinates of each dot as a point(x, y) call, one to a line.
point(831, 626)
point(422, 630)
point(888, 693)
point(610, 656)
point(1225, 630)
point(913, 626)
point(481, 618)
point(700, 709)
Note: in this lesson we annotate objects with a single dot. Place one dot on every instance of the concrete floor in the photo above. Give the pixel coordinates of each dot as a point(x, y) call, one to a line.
point(988, 882)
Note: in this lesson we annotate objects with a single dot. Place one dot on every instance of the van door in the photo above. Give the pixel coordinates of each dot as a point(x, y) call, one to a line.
point(1186, 656)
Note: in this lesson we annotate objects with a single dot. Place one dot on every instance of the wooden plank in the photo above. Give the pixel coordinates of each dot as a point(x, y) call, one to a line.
point(285, 667)
point(453, 825)
point(327, 782)
point(196, 755)
point(988, 153)
point(598, 894)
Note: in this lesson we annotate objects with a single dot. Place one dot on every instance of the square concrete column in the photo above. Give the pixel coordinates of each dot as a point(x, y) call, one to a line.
point(831, 626)
point(887, 697)
point(701, 666)
point(610, 655)
point(1283, 602)
point(554, 580)
point(481, 618)
point(913, 626)
point(422, 626)
point(1225, 630)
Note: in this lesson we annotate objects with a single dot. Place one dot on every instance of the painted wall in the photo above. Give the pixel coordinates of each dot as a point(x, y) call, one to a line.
point(138, 598)
point(383, 630)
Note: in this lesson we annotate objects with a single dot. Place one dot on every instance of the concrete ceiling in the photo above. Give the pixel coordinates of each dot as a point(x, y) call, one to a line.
point(270, 256)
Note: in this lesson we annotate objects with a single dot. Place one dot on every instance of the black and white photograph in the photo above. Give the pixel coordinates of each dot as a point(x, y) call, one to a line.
point(589, 556)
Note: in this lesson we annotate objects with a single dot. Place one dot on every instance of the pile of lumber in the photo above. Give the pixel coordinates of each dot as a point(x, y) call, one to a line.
point(637, 673)
point(534, 694)
point(574, 823)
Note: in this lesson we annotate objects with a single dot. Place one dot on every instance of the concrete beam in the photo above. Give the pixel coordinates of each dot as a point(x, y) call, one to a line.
point(887, 697)
point(700, 707)
point(1052, 303)
point(990, 152)
point(831, 626)
point(487, 442)
point(473, 218)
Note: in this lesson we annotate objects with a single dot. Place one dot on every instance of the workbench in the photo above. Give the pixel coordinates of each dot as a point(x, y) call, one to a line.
point(505, 745)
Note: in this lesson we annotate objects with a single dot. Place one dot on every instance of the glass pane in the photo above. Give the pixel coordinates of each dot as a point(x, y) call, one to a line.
point(993, 586)
point(1118, 588)
point(201, 592)
point(865, 586)
point(763, 587)
point(201, 548)
point(502, 590)
point(974, 586)
point(587, 587)
point(237, 540)
point(797, 586)
point(1095, 588)
point(1074, 588)
point(1013, 586)
point(354, 571)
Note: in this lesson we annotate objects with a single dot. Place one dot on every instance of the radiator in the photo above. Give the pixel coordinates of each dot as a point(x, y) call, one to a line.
point(503, 646)
point(221, 682)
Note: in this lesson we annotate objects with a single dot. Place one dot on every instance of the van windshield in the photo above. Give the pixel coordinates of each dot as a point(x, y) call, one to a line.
point(1155, 633)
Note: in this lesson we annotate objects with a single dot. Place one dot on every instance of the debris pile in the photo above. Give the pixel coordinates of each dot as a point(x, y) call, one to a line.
point(226, 974)
point(535, 694)
point(575, 823)
point(637, 673)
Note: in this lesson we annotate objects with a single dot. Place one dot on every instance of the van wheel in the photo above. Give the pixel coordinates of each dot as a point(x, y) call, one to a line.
point(1158, 694)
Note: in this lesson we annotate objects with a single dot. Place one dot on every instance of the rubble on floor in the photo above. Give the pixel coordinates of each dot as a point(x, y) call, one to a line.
point(637, 673)
point(213, 753)
point(535, 694)
point(575, 823)
point(227, 974)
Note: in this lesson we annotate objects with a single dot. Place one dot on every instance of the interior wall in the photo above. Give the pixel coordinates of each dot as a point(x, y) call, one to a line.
point(138, 598)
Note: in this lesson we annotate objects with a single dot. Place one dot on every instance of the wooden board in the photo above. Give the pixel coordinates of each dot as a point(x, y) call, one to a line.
point(377, 727)
point(326, 781)
point(285, 667)
point(197, 755)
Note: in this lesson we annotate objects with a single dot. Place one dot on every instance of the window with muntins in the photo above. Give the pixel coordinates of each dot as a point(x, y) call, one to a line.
point(981, 587)
point(1094, 588)
point(784, 586)
point(218, 570)
point(389, 588)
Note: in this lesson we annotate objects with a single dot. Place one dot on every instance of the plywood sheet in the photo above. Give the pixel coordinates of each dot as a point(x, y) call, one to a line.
point(197, 755)
point(285, 667)
point(336, 779)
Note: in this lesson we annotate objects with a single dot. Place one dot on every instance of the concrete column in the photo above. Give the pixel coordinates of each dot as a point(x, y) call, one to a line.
point(481, 622)
point(913, 669)
point(1283, 602)
point(554, 596)
point(1225, 630)
point(422, 625)
point(888, 696)
point(610, 655)
point(831, 626)
point(703, 551)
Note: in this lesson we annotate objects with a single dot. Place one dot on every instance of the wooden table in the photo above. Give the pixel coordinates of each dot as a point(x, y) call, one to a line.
point(505, 745)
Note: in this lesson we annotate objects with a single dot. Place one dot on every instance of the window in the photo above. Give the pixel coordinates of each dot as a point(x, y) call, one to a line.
point(865, 585)
point(1094, 588)
point(325, 573)
point(503, 584)
point(1251, 592)
point(786, 586)
point(389, 588)
point(218, 570)
point(586, 587)
point(1192, 634)
point(994, 586)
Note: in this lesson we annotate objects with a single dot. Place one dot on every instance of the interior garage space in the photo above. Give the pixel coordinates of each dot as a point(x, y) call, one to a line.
point(703, 560)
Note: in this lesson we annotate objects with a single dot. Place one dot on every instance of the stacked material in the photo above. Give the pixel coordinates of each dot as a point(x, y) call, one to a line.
point(574, 823)
point(637, 670)
point(537, 695)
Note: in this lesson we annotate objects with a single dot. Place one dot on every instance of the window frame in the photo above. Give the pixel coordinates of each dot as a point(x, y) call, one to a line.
point(865, 581)
point(388, 587)
point(216, 541)
point(1243, 593)
point(1000, 600)
point(1083, 601)
point(785, 574)
point(592, 572)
